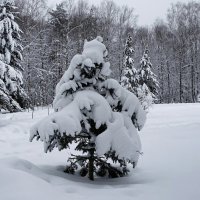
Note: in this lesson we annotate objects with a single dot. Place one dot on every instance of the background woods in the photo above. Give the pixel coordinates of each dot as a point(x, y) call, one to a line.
point(51, 37)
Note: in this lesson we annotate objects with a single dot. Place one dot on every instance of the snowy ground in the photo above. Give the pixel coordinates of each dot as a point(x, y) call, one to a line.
point(168, 170)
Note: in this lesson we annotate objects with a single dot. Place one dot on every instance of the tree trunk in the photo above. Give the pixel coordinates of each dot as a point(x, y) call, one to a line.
point(180, 82)
point(192, 83)
point(168, 81)
point(91, 165)
point(162, 83)
point(196, 68)
point(180, 76)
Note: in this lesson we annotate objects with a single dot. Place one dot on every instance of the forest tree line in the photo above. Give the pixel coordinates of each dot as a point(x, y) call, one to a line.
point(51, 37)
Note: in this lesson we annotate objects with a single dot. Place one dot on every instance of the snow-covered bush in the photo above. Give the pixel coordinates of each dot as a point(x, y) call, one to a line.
point(97, 114)
point(12, 95)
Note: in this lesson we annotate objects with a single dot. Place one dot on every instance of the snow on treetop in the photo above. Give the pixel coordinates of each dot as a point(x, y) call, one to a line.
point(93, 53)
point(95, 50)
point(7, 4)
point(85, 68)
point(145, 61)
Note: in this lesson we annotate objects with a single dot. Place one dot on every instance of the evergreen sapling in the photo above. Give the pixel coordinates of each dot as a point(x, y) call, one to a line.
point(129, 79)
point(148, 90)
point(95, 115)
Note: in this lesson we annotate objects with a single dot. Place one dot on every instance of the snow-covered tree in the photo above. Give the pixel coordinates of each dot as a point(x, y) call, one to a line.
point(12, 95)
point(96, 114)
point(129, 79)
point(148, 89)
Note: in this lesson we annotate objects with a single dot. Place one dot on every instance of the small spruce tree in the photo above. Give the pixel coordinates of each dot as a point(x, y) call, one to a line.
point(12, 95)
point(129, 79)
point(148, 84)
point(96, 114)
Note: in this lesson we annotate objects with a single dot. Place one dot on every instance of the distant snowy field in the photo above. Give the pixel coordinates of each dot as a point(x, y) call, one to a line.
point(168, 170)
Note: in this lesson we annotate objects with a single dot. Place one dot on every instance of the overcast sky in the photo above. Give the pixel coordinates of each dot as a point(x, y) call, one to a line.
point(147, 10)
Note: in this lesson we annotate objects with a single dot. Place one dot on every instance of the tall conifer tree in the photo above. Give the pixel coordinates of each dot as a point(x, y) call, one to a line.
point(12, 95)
point(129, 79)
point(147, 80)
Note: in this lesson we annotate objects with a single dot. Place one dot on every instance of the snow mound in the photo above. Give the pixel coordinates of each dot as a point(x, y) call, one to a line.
point(20, 177)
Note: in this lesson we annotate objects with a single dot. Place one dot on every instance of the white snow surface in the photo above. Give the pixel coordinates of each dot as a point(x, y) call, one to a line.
point(168, 170)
